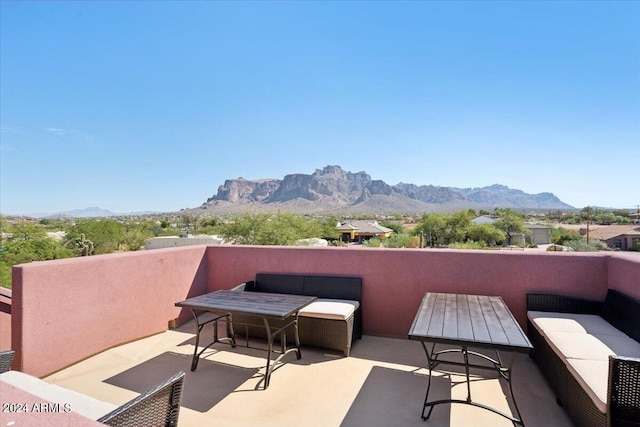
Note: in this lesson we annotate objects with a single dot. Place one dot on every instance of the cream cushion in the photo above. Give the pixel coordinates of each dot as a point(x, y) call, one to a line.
point(334, 309)
point(572, 345)
point(593, 376)
point(80, 403)
point(584, 342)
point(571, 322)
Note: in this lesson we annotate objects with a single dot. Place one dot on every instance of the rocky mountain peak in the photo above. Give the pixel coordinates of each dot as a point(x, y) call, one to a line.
point(333, 189)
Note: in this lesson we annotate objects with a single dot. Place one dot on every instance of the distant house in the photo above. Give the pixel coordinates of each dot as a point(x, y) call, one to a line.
point(184, 240)
point(361, 230)
point(621, 237)
point(485, 219)
point(539, 234)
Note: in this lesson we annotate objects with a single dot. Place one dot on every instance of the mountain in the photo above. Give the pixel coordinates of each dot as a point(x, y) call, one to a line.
point(334, 190)
point(92, 212)
point(502, 196)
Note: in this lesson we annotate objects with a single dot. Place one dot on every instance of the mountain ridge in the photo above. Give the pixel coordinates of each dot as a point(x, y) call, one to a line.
point(332, 190)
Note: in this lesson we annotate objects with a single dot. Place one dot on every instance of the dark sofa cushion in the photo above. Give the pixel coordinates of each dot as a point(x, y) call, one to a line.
point(331, 287)
point(623, 312)
point(279, 283)
point(338, 287)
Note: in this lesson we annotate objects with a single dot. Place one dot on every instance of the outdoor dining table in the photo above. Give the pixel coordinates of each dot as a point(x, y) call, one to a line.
point(463, 321)
point(262, 305)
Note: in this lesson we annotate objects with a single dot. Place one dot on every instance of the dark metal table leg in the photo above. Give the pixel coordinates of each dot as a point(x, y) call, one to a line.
point(431, 363)
point(505, 372)
point(465, 354)
point(267, 374)
point(194, 360)
point(199, 326)
point(508, 376)
point(270, 337)
point(295, 326)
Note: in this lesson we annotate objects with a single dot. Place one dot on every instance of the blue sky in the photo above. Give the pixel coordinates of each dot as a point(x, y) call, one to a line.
point(151, 105)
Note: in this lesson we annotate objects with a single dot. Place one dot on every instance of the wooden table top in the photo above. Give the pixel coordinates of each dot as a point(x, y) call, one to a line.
point(474, 320)
point(253, 303)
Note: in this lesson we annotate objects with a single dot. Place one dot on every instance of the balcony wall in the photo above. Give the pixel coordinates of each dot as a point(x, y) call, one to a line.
point(72, 309)
point(64, 311)
point(623, 273)
point(395, 280)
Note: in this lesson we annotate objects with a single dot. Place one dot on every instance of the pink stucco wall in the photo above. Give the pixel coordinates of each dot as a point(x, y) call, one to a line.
point(395, 280)
point(75, 308)
point(67, 310)
point(624, 274)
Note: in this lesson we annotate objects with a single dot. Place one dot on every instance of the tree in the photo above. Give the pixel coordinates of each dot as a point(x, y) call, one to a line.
point(106, 234)
point(511, 224)
point(393, 225)
point(456, 226)
point(27, 243)
point(328, 229)
point(135, 235)
point(560, 236)
point(269, 229)
point(243, 229)
point(433, 227)
point(485, 233)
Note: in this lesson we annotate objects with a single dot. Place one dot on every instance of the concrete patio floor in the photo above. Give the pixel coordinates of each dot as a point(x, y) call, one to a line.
point(382, 383)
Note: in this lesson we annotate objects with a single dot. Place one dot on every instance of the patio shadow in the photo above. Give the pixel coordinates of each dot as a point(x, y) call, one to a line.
point(203, 389)
point(376, 405)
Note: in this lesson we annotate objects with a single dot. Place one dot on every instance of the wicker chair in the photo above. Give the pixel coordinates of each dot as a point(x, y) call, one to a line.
point(624, 399)
point(159, 406)
point(6, 358)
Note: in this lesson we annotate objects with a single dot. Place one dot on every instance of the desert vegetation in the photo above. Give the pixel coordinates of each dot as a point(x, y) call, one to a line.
point(26, 239)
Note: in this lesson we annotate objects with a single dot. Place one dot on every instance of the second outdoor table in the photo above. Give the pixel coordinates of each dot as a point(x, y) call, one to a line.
point(266, 306)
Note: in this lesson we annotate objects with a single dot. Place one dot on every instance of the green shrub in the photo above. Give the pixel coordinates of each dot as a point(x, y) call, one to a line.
point(583, 246)
point(401, 241)
point(560, 236)
point(373, 242)
point(469, 244)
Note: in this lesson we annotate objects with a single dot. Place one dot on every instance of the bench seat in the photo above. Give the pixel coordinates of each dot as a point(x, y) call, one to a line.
point(334, 309)
point(333, 321)
point(584, 343)
point(589, 351)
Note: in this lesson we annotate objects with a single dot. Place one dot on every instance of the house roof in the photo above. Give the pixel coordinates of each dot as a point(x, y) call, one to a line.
point(607, 232)
point(485, 219)
point(369, 226)
point(531, 225)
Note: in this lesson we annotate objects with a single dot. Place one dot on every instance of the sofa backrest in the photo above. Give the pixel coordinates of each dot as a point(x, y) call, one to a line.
point(279, 283)
point(336, 287)
point(623, 312)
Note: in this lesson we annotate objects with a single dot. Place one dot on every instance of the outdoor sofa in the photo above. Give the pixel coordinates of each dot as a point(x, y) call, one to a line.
point(334, 321)
point(589, 351)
